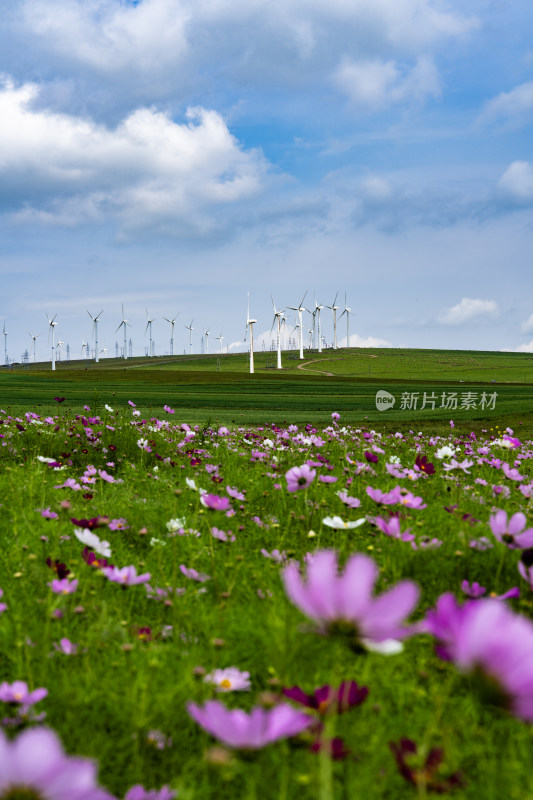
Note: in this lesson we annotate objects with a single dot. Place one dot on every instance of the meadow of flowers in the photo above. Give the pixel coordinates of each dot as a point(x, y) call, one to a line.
point(213, 612)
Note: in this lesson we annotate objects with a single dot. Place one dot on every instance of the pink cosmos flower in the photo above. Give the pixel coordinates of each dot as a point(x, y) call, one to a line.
point(327, 478)
point(511, 473)
point(3, 606)
point(234, 493)
point(34, 765)
point(351, 502)
point(463, 465)
point(391, 528)
point(222, 536)
point(168, 409)
point(299, 477)
point(249, 731)
point(126, 576)
point(230, 679)
point(64, 586)
point(191, 573)
point(386, 498)
point(511, 533)
point(473, 590)
point(484, 636)
point(340, 601)
point(66, 647)
point(17, 692)
point(215, 502)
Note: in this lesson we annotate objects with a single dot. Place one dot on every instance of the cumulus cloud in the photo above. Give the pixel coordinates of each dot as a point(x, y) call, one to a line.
point(376, 84)
point(517, 181)
point(528, 324)
point(527, 347)
point(512, 105)
point(467, 310)
point(147, 170)
point(364, 341)
point(170, 48)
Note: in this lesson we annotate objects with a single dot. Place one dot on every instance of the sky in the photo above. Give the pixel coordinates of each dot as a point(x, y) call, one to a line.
point(174, 155)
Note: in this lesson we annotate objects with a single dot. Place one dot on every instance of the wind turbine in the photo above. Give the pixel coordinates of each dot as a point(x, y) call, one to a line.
point(172, 322)
point(104, 351)
point(52, 323)
point(250, 326)
point(149, 325)
point(278, 316)
point(318, 309)
point(190, 329)
point(299, 309)
point(95, 332)
point(60, 348)
point(220, 340)
point(5, 344)
point(34, 338)
point(348, 312)
point(124, 323)
point(206, 334)
point(334, 308)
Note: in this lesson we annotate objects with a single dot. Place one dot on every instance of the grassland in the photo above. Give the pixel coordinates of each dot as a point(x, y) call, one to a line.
point(218, 388)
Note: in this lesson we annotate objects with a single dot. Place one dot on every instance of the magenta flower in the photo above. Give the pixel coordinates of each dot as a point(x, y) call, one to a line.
point(34, 765)
point(371, 457)
point(351, 502)
point(299, 477)
point(486, 638)
point(215, 502)
point(341, 602)
point(386, 498)
point(119, 524)
point(327, 699)
point(126, 576)
point(327, 478)
point(168, 409)
point(64, 586)
point(17, 693)
point(191, 573)
point(511, 473)
point(66, 647)
point(249, 731)
point(391, 528)
point(222, 536)
point(511, 533)
point(473, 590)
point(235, 493)
point(3, 606)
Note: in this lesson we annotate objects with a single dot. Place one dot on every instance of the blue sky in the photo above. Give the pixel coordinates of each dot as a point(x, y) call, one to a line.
point(173, 155)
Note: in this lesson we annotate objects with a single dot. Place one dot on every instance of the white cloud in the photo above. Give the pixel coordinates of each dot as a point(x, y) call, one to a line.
point(525, 348)
point(528, 324)
point(364, 341)
point(147, 170)
point(376, 84)
point(517, 181)
point(467, 310)
point(510, 105)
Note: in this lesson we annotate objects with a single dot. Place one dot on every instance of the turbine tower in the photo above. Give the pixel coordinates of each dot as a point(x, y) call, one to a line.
point(60, 348)
point(95, 332)
point(300, 309)
point(278, 316)
point(206, 334)
point(5, 344)
point(334, 308)
point(52, 323)
point(190, 329)
point(318, 309)
point(149, 325)
point(250, 327)
point(123, 324)
point(348, 312)
point(220, 340)
point(33, 339)
point(172, 322)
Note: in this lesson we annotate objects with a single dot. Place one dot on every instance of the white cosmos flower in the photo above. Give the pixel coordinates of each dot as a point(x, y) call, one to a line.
point(388, 647)
point(445, 452)
point(90, 539)
point(108, 408)
point(176, 524)
point(190, 483)
point(340, 524)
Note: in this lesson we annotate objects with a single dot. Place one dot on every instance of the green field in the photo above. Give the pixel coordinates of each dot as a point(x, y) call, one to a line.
point(219, 389)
